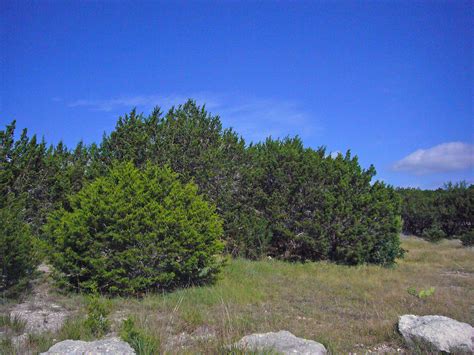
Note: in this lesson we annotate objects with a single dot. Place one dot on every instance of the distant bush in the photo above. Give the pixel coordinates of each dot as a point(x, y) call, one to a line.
point(450, 209)
point(433, 234)
point(418, 209)
point(133, 231)
point(18, 258)
point(467, 238)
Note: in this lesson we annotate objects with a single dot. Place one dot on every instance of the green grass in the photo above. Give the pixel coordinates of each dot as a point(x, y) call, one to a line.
point(336, 305)
point(142, 343)
point(72, 329)
point(13, 325)
point(348, 309)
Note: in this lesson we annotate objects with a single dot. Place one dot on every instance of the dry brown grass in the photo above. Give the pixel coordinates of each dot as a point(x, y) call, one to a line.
point(345, 308)
point(348, 309)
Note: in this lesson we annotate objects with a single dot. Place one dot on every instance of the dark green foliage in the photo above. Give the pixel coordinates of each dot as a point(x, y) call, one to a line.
point(248, 236)
point(275, 198)
point(193, 143)
point(133, 231)
point(42, 176)
point(22, 173)
point(314, 207)
point(142, 343)
point(97, 311)
point(418, 210)
point(433, 234)
point(467, 238)
point(18, 258)
point(450, 209)
point(456, 208)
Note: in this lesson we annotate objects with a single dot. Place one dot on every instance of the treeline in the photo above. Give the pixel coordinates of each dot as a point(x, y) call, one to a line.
point(447, 212)
point(276, 198)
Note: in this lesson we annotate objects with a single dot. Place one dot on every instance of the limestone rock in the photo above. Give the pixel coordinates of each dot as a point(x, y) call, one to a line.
point(439, 333)
point(19, 341)
point(282, 342)
point(184, 340)
point(98, 347)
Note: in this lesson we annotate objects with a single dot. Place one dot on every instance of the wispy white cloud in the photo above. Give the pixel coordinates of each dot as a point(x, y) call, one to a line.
point(444, 157)
point(254, 118)
point(144, 102)
point(257, 119)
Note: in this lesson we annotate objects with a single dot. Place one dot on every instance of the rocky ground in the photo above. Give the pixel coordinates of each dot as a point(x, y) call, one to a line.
point(39, 312)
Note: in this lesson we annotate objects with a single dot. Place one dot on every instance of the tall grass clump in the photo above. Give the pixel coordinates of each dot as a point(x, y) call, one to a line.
point(97, 311)
point(139, 340)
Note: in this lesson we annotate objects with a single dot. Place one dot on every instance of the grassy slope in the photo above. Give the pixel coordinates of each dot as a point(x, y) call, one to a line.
point(337, 305)
point(345, 308)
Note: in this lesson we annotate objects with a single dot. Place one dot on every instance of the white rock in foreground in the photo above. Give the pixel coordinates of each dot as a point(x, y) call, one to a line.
point(281, 342)
point(98, 347)
point(438, 332)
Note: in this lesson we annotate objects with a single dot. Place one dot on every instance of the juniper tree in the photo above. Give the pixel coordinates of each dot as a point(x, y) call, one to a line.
point(135, 230)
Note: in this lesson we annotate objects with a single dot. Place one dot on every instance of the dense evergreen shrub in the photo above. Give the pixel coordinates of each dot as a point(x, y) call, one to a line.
point(195, 145)
point(17, 251)
point(467, 238)
point(456, 208)
point(275, 198)
point(319, 208)
point(18, 257)
point(43, 176)
point(450, 209)
point(433, 234)
point(418, 210)
point(133, 230)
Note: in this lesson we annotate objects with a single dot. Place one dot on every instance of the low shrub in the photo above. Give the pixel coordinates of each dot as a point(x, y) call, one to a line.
point(134, 231)
point(467, 239)
point(433, 234)
point(423, 293)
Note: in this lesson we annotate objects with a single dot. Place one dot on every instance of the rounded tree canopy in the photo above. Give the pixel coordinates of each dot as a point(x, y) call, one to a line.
point(133, 231)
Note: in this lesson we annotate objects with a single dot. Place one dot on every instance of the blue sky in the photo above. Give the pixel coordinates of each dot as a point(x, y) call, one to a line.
point(390, 80)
